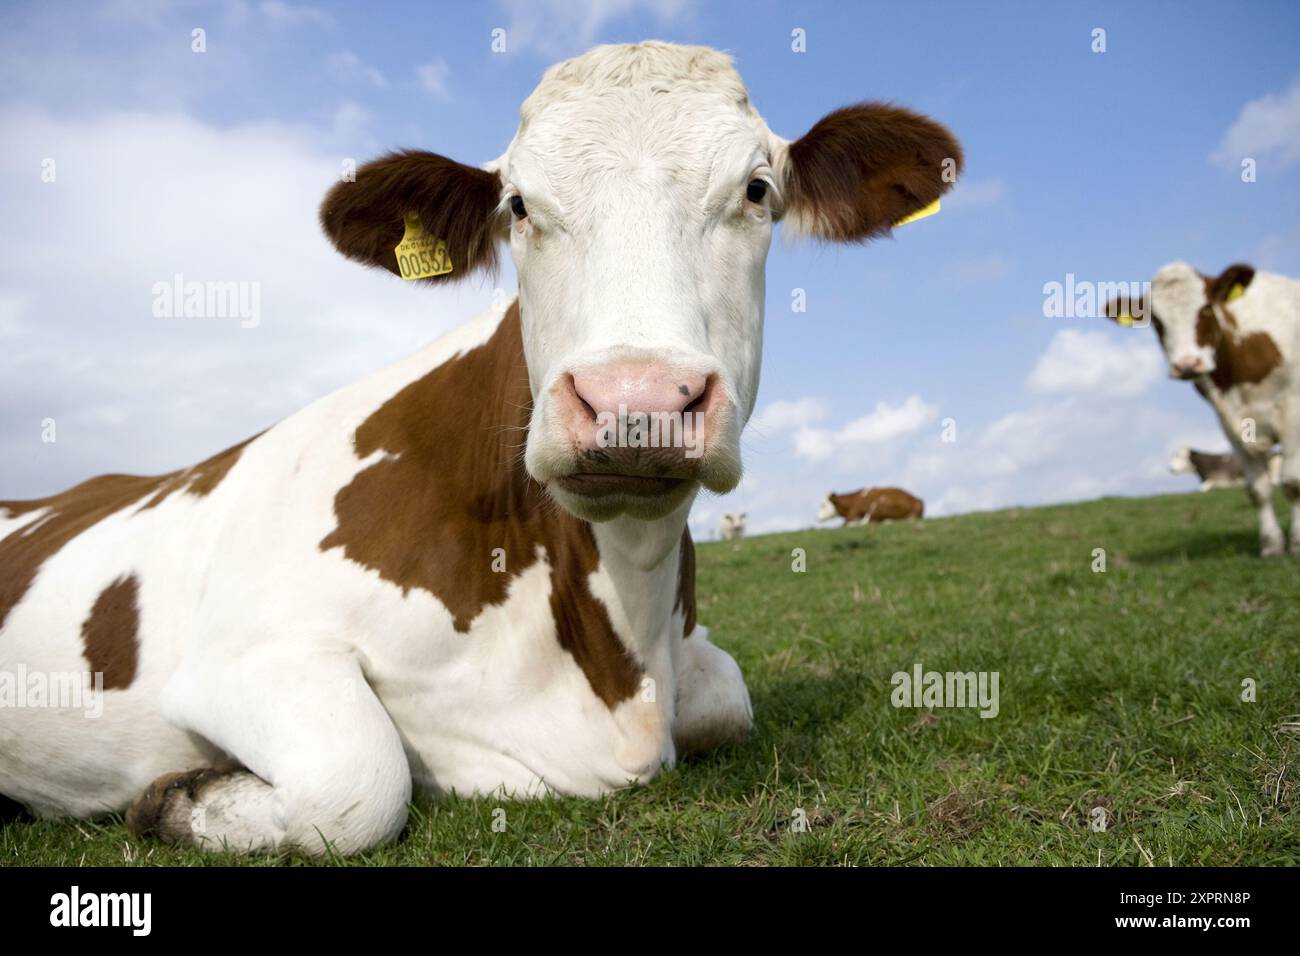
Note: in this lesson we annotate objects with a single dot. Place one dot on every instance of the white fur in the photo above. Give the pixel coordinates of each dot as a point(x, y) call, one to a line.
point(732, 527)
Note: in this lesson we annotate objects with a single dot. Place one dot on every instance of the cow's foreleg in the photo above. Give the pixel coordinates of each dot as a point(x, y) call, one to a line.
point(325, 765)
point(1289, 479)
point(713, 705)
point(1259, 487)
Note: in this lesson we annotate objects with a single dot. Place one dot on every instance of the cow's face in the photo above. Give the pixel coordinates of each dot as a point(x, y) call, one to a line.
point(1181, 463)
point(1188, 312)
point(638, 198)
point(829, 508)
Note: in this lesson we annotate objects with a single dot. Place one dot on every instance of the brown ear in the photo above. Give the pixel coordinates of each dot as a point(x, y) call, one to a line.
point(365, 219)
point(863, 168)
point(1239, 274)
point(1127, 309)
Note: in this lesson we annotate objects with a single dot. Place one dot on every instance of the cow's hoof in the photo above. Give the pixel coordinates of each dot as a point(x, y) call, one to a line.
point(1271, 551)
point(165, 809)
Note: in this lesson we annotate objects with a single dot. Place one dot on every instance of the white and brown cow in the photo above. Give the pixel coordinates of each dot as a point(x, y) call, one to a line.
point(473, 590)
point(868, 505)
point(1236, 337)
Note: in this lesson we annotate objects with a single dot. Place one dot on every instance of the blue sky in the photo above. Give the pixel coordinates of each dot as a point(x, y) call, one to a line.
point(1104, 165)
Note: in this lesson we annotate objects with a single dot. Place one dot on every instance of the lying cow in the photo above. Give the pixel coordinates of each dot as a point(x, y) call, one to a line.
point(733, 526)
point(1214, 471)
point(867, 505)
point(1234, 336)
point(298, 630)
point(1217, 471)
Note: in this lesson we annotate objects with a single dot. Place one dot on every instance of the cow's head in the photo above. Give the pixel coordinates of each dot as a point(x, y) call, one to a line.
point(1181, 463)
point(638, 198)
point(830, 507)
point(1187, 310)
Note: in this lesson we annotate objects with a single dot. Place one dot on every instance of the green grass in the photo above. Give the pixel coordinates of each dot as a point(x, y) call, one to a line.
point(1119, 690)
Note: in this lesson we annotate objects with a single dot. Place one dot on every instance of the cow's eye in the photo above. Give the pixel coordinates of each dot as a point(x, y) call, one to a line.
point(517, 207)
point(756, 190)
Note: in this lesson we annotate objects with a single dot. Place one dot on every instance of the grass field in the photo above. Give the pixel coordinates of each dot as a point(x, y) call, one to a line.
point(1120, 690)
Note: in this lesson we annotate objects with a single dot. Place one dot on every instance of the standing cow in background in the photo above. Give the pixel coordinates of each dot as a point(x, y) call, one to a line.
point(1234, 337)
point(871, 504)
point(733, 526)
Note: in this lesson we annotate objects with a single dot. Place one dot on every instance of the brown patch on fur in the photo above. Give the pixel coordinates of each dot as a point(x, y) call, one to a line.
point(111, 634)
point(686, 583)
point(456, 203)
point(1245, 360)
point(202, 479)
point(1238, 359)
point(73, 511)
point(22, 552)
point(877, 504)
point(861, 169)
point(452, 488)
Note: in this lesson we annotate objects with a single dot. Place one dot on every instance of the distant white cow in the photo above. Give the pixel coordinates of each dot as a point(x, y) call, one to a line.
point(733, 526)
point(1236, 336)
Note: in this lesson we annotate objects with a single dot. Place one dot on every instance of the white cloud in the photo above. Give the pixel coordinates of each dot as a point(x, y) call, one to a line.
point(350, 68)
point(884, 424)
point(156, 195)
point(433, 78)
point(1093, 362)
point(553, 27)
point(783, 415)
point(1267, 128)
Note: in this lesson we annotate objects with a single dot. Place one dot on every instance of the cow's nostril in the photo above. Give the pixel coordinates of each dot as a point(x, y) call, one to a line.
point(697, 405)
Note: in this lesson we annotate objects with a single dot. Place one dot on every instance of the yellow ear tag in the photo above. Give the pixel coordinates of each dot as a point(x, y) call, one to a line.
point(1236, 292)
point(1124, 319)
point(925, 213)
point(420, 255)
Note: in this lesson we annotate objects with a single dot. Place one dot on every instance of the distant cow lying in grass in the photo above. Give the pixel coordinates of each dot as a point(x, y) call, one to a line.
point(1235, 337)
point(868, 505)
point(1217, 470)
point(733, 526)
point(477, 589)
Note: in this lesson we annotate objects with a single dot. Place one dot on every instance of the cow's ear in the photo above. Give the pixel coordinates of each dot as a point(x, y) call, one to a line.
point(457, 204)
point(1127, 309)
point(1231, 283)
point(864, 168)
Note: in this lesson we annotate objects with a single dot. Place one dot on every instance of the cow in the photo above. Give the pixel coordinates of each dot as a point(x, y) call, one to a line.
point(733, 526)
point(1234, 336)
point(482, 586)
point(867, 505)
point(1217, 470)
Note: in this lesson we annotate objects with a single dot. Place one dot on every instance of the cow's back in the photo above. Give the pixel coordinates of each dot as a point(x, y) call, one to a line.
point(892, 504)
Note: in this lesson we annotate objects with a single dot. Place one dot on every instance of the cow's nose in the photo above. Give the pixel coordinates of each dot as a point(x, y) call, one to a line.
point(638, 387)
point(592, 401)
point(1187, 367)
